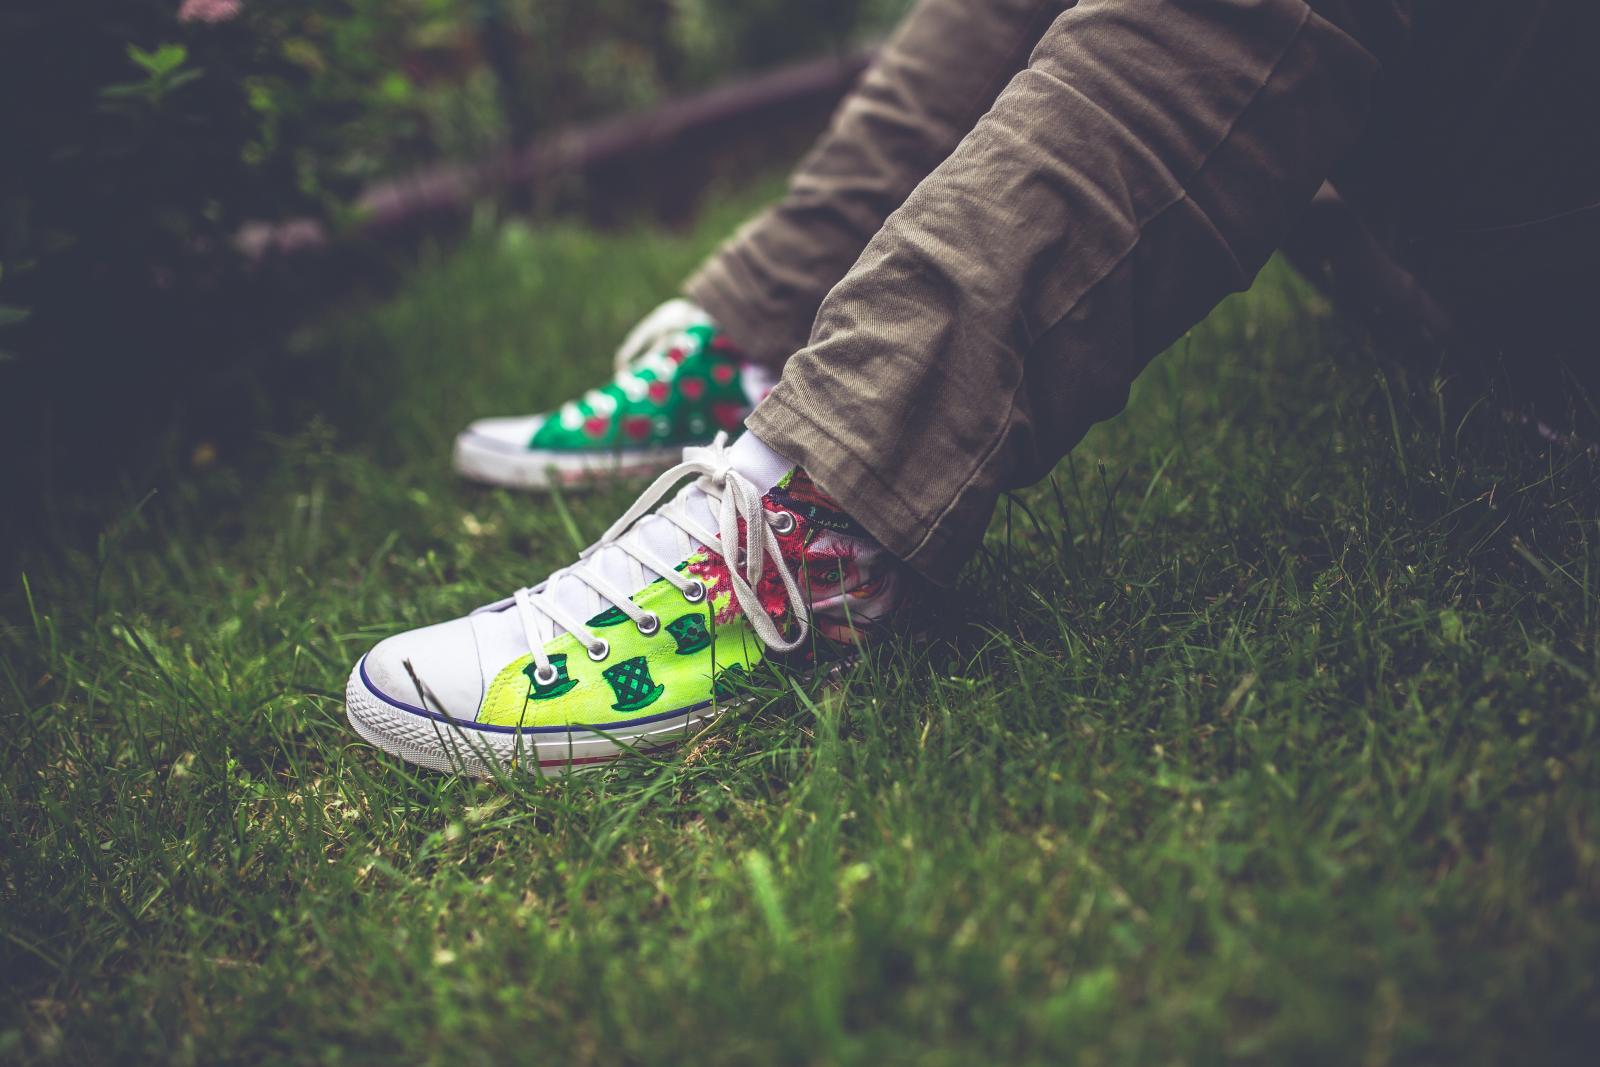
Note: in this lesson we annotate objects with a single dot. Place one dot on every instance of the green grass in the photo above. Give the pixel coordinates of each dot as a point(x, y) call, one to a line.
point(1264, 731)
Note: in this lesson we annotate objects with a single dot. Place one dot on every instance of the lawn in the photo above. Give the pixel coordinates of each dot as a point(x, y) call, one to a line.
point(1263, 731)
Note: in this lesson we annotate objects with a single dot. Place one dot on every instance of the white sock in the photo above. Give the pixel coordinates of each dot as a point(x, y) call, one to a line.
point(753, 458)
point(758, 380)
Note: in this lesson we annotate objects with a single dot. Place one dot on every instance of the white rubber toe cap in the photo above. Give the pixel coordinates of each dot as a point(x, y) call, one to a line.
point(437, 668)
point(512, 434)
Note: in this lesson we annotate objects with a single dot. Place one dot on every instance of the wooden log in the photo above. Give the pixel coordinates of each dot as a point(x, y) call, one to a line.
point(447, 191)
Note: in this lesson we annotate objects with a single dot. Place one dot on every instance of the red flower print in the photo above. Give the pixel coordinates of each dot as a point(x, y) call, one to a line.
point(693, 388)
point(659, 391)
point(826, 567)
point(712, 569)
point(596, 425)
point(675, 354)
point(728, 416)
point(723, 373)
point(636, 427)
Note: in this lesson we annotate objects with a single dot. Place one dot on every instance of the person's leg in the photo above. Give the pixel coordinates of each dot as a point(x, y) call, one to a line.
point(939, 72)
point(1146, 163)
point(699, 366)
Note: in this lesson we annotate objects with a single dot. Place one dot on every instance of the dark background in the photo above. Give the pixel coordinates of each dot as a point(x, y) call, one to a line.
point(186, 180)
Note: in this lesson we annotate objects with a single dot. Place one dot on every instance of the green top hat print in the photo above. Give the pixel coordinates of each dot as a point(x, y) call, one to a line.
point(608, 617)
point(690, 632)
point(559, 685)
point(727, 682)
point(630, 680)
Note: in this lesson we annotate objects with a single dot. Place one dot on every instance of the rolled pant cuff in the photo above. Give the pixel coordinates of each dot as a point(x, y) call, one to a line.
point(935, 547)
point(739, 315)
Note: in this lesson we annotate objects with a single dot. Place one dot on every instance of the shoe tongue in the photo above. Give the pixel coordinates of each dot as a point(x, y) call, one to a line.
point(759, 465)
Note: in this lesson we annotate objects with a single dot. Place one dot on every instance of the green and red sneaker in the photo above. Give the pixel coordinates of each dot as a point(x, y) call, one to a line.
point(678, 382)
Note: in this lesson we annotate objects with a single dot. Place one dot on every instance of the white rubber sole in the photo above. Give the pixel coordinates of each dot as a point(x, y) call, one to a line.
point(487, 459)
point(441, 743)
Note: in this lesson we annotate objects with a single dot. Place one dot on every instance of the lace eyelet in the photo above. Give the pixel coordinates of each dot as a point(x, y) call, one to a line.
point(600, 650)
point(544, 678)
point(648, 625)
point(782, 522)
point(696, 592)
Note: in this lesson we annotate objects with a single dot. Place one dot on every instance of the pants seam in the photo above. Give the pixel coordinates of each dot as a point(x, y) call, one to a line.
point(800, 414)
point(1111, 268)
point(991, 90)
point(736, 292)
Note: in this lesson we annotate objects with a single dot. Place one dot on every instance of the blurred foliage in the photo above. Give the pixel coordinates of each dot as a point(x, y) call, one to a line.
point(150, 136)
point(141, 134)
point(147, 140)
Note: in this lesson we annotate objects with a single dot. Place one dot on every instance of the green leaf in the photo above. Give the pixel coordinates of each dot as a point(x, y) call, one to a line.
point(183, 77)
point(395, 87)
point(126, 91)
point(163, 61)
point(162, 66)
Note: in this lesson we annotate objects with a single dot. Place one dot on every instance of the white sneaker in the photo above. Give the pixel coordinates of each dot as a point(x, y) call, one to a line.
point(632, 647)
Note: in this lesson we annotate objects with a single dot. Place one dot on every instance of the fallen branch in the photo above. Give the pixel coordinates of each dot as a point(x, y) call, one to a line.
point(449, 190)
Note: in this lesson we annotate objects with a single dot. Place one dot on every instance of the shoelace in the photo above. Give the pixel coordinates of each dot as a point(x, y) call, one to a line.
point(653, 333)
point(732, 498)
point(675, 316)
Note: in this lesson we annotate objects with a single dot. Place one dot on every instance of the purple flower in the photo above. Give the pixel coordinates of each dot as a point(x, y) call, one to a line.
point(209, 10)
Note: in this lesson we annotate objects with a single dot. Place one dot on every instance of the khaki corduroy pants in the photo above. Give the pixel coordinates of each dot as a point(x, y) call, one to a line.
point(1026, 200)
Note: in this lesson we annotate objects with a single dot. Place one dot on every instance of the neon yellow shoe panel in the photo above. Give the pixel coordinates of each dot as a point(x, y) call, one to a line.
point(633, 647)
point(675, 667)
